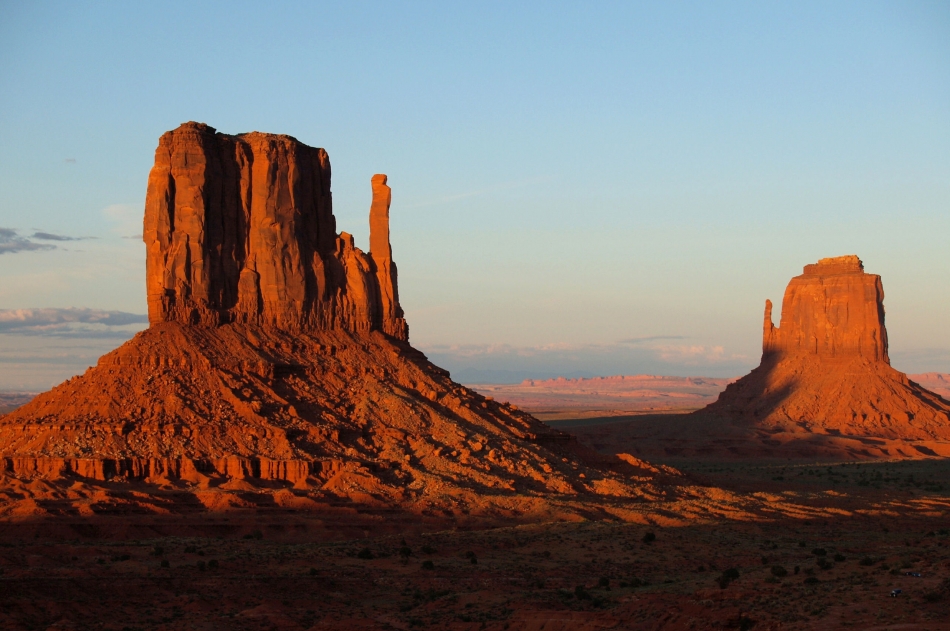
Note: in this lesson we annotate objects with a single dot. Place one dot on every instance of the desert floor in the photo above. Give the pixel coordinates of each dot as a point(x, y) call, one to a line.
point(350, 571)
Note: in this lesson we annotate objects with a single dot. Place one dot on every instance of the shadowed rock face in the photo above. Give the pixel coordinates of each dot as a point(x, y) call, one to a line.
point(241, 229)
point(826, 367)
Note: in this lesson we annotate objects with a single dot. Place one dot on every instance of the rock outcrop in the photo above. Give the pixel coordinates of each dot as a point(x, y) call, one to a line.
point(833, 310)
point(825, 369)
point(278, 351)
point(241, 229)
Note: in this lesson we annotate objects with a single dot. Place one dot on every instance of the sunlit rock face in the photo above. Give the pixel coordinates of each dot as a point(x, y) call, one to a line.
point(834, 309)
point(241, 229)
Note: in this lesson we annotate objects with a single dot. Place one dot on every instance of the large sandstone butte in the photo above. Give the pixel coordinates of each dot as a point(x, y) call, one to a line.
point(241, 229)
point(825, 368)
point(277, 353)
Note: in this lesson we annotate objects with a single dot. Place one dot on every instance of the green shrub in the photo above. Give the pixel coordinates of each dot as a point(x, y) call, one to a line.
point(819, 552)
point(649, 537)
point(365, 553)
point(779, 571)
point(428, 565)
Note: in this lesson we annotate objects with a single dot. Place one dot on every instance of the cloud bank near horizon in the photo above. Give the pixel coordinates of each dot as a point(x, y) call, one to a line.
point(75, 322)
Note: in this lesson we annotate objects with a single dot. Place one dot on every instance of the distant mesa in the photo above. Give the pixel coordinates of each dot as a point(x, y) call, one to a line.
point(825, 368)
point(278, 353)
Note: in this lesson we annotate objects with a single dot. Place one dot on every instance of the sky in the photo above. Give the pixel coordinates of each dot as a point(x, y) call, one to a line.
point(613, 188)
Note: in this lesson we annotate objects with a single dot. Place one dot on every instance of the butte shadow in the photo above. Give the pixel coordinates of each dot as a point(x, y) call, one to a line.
point(824, 388)
point(277, 370)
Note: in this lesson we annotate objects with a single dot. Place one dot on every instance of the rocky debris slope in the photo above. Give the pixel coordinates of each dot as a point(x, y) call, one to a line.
point(278, 353)
point(825, 369)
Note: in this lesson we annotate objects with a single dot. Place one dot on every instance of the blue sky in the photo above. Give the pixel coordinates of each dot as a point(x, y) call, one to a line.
point(565, 178)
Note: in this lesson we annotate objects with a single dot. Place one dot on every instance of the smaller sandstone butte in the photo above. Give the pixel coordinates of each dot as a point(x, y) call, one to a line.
point(825, 369)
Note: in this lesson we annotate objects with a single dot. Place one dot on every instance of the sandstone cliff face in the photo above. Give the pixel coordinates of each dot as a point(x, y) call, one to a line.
point(833, 309)
point(826, 367)
point(241, 229)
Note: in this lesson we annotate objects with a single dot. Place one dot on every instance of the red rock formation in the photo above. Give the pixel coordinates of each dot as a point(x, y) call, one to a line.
point(278, 351)
point(241, 229)
point(391, 316)
point(834, 309)
point(826, 368)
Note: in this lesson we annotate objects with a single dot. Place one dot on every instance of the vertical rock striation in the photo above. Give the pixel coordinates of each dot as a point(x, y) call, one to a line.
point(241, 229)
point(834, 309)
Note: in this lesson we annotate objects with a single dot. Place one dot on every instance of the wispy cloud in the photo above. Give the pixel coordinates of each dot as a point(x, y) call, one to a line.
point(49, 236)
point(11, 243)
point(70, 322)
